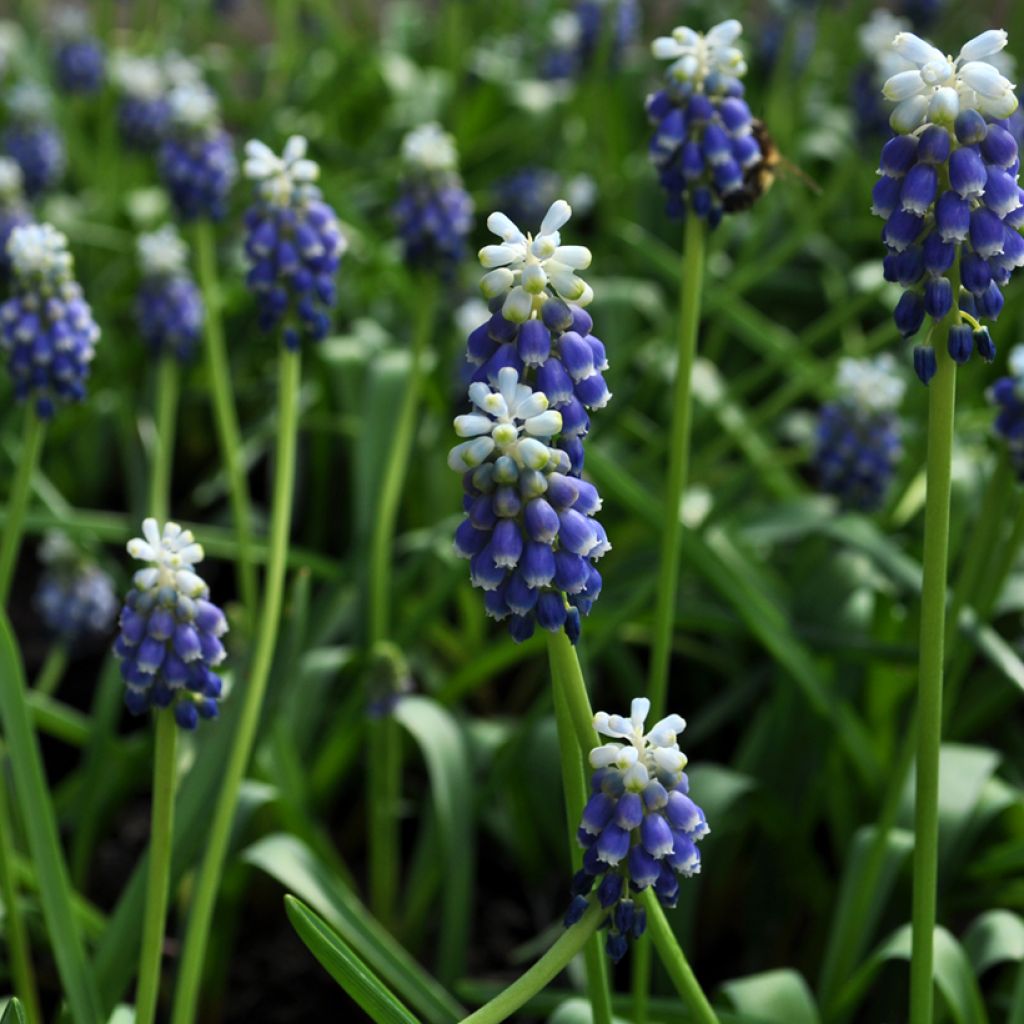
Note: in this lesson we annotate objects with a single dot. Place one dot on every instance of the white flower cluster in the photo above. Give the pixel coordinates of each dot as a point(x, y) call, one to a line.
point(639, 755)
point(697, 56)
point(171, 553)
point(39, 252)
point(10, 179)
point(429, 148)
point(193, 106)
point(278, 177)
point(161, 253)
point(139, 77)
point(523, 267)
point(935, 87)
point(513, 419)
point(871, 384)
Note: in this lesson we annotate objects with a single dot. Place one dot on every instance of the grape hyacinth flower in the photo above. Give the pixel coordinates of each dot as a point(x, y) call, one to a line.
point(949, 194)
point(539, 325)
point(575, 36)
point(293, 241)
point(1007, 395)
point(859, 434)
point(530, 534)
point(639, 827)
point(704, 143)
point(197, 159)
point(32, 138)
point(434, 213)
point(78, 56)
point(14, 211)
point(143, 110)
point(75, 598)
point(169, 641)
point(169, 306)
point(47, 330)
point(525, 195)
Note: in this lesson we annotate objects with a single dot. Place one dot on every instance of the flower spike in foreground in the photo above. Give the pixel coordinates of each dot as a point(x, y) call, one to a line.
point(949, 194)
point(705, 147)
point(294, 242)
point(169, 642)
point(48, 333)
point(529, 531)
point(859, 433)
point(1007, 395)
point(639, 827)
point(169, 307)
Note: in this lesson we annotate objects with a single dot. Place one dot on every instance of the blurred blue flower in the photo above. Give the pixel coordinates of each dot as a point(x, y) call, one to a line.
point(169, 640)
point(75, 598)
point(143, 109)
point(169, 306)
point(79, 62)
point(33, 139)
point(525, 195)
point(639, 828)
point(1007, 395)
point(293, 241)
point(47, 330)
point(576, 36)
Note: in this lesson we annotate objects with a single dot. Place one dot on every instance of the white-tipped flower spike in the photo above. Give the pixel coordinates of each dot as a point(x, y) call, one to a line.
point(139, 77)
point(527, 269)
point(429, 148)
point(30, 102)
point(708, 61)
point(936, 87)
point(161, 253)
point(39, 255)
point(639, 827)
point(278, 177)
point(193, 107)
point(169, 306)
point(169, 642)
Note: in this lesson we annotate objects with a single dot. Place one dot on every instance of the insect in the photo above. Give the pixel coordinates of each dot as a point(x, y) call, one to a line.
point(760, 176)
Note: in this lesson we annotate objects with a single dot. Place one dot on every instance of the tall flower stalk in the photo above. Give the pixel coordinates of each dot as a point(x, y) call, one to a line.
point(294, 244)
point(949, 194)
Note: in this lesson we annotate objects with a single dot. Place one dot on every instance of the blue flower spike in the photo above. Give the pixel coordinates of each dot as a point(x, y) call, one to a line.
point(75, 598)
point(639, 827)
point(704, 144)
point(169, 306)
point(33, 139)
point(948, 191)
point(170, 631)
point(47, 331)
point(294, 242)
point(859, 436)
point(79, 61)
point(143, 109)
point(1007, 396)
point(434, 213)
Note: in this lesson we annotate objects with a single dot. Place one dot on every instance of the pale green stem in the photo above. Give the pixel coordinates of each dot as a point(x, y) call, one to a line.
point(678, 464)
point(565, 669)
point(224, 413)
point(541, 974)
point(165, 420)
point(251, 695)
point(161, 841)
point(941, 407)
point(52, 672)
point(17, 502)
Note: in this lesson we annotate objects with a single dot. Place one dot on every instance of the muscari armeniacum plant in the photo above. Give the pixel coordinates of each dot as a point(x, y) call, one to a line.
point(143, 109)
point(33, 139)
point(948, 190)
point(858, 439)
point(168, 305)
point(300, 242)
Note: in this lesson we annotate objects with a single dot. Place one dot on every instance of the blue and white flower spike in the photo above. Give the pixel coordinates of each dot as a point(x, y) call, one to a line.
point(169, 641)
point(704, 142)
point(47, 331)
point(948, 191)
point(75, 598)
point(197, 159)
point(1007, 395)
point(859, 445)
point(79, 62)
point(294, 242)
point(530, 534)
point(434, 213)
point(169, 306)
point(14, 211)
point(143, 110)
point(33, 139)
point(639, 827)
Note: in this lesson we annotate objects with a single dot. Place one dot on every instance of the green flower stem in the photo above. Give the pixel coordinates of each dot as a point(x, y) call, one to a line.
point(567, 674)
point(575, 787)
point(678, 463)
point(52, 672)
point(541, 974)
point(166, 405)
point(941, 407)
point(15, 934)
point(674, 960)
point(17, 501)
point(224, 413)
point(251, 695)
point(383, 792)
point(158, 884)
point(641, 978)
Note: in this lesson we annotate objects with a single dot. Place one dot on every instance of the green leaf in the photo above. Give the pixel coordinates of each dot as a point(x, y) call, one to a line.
point(13, 1013)
point(345, 966)
point(43, 838)
point(995, 937)
point(774, 997)
point(446, 753)
point(298, 869)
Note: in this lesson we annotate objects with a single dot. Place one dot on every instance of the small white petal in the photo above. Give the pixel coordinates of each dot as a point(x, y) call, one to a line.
point(576, 256)
point(497, 282)
point(502, 226)
point(984, 79)
point(984, 45)
point(531, 405)
point(724, 33)
point(470, 454)
point(497, 255)
point(557, 216)
point(547, 424)
point(146, 579)
point(914, 48)
point(907, 115)
point(666, 48)
point(640, 707)
point(944, 106)
point(138, 548)
point(605, 755)
point(517, 306)
point(903, 86)
point(472, 425)
point(534, 454)
point(151, 531)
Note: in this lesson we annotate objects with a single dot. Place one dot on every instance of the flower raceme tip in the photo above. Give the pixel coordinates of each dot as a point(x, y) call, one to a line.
point(277, 177)
point(707, 61)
